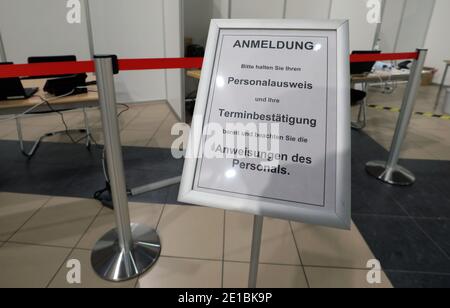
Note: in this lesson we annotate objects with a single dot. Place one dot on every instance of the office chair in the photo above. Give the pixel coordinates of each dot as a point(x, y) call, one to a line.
point(357, 96)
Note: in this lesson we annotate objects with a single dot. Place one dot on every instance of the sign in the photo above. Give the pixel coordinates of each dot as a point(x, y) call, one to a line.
point(271, 128)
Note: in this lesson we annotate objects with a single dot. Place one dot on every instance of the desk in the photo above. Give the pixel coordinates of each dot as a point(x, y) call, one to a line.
point(196, 74)
point(15, 107)
point(393, 75)
point(383, 76)
point(11, 107)
point(442, 86)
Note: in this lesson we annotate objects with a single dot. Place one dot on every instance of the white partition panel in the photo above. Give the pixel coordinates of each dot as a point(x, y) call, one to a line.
point(174, 48)
point(438, 41)
point(257, 8)
point(414, 26)
point(221, 9)
point(132, 30)
point(362, 33)
point(197, 16)
point(39, 28)
point(390, 27)
point(309, 9)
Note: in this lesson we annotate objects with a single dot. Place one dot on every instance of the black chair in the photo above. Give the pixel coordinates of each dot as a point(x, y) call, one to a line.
point(359, 97)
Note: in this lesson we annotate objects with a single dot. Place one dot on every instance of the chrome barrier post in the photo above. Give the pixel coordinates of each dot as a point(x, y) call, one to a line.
point(130, 249)
point(441, 87)
point(390, 172)
point(256, 250)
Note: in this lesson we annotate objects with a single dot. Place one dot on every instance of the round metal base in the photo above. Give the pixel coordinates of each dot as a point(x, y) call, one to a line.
point(111, 263)
point(394, 176)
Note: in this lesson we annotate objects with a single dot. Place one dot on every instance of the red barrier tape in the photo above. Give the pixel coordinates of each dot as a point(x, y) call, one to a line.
point(65, 68)
point(156, 64)
point(383, 57)
point(46, 69)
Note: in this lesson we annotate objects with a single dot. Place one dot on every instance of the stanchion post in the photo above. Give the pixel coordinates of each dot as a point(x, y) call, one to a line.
point(129, 250)
point(390, 172)
point(441, 87)
point(256, 250)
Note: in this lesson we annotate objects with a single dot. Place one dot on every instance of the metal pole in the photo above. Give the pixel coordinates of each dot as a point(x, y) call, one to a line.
point(88, 129)
point(390, 172)
point(129, 250)
point(2, 50)
point(113, 149)
point(256, 249)
point(441, 87)
point(90, 33)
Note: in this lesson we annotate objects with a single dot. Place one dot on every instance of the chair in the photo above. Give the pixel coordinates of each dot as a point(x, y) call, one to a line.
point(357, 96)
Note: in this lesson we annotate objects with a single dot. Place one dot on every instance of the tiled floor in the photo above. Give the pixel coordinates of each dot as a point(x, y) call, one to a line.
point(427, 138)
point(201, 247)
point(211, 248)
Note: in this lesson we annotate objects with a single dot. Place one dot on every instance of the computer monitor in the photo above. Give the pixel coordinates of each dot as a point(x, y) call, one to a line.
point(12, 88)
point(360, 68)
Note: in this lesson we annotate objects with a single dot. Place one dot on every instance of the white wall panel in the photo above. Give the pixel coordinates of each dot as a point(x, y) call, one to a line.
point(438, 41)
point(414, 26)
point(308, 9)
point(391, 24)
point(132, 30)
point(362, 33)
point(197, 17)
point(174, 48)
point(40, 28)
point(257, 8)
point(129, 29)
point(221, 8)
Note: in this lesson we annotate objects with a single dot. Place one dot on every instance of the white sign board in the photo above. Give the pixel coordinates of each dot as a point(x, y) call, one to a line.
point(271, 128)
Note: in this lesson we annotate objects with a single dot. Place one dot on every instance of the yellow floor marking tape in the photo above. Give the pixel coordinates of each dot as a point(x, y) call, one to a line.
point(424, 114)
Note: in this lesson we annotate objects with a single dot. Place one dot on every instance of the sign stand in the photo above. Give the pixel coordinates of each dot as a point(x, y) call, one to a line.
point(130, 249)
point(252, 147)
point(256, 250)
point(390, 172)
point(155, 186)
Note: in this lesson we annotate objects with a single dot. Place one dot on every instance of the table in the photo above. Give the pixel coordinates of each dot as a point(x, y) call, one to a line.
point(196, 74)
point(383, 76)
point(11, 107)
point(392, 75)
point(17, 107)
point(442, 85)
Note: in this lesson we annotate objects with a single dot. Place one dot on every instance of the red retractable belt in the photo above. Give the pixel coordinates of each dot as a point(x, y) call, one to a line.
point(383, 57)
point(65, 68)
